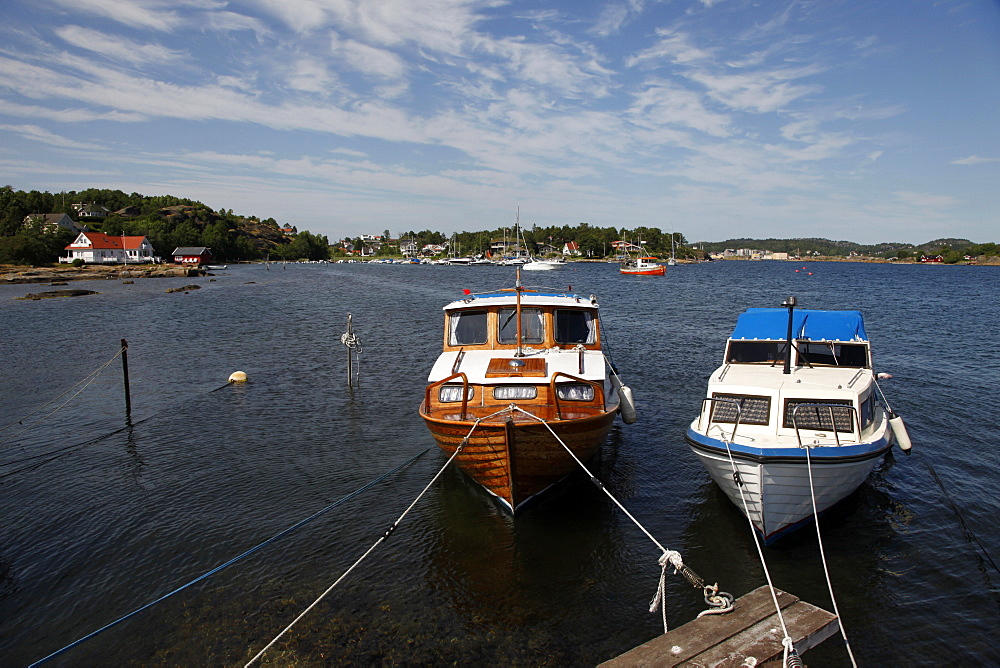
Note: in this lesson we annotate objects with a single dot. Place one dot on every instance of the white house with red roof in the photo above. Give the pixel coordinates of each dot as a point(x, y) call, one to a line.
point(97, 248)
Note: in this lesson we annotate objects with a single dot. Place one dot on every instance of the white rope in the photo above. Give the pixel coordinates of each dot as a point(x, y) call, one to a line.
point(667, 557)
point(372, 548)
point(822, 554)
point(87, 379)
point(786, 641)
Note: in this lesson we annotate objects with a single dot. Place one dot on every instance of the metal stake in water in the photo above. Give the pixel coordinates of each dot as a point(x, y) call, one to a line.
point(351, 340)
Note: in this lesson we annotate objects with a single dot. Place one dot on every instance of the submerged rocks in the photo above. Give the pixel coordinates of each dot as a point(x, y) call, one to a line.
point(186, 288)
point(51, 294)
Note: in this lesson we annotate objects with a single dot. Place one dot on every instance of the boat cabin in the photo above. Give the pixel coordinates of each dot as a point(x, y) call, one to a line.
point(829, 392)
point(556, 363)
point(547, 321)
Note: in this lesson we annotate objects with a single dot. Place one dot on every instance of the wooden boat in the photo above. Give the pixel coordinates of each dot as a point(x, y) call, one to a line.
point(523, 377)
point(781, 415)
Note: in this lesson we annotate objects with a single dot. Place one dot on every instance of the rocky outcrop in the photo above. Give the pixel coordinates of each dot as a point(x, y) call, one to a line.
point(52, 294)
point(90, 273)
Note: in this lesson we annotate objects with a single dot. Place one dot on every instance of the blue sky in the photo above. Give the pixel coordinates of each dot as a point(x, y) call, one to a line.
point(861, 120)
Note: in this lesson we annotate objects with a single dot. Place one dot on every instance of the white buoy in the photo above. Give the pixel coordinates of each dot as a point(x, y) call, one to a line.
point(627, 405)
point(238, 377)
point(899, 431)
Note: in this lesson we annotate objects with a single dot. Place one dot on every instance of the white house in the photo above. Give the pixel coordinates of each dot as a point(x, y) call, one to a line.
point(54, 221)
point(91, 211)
point(97, 248)
point(571, 248)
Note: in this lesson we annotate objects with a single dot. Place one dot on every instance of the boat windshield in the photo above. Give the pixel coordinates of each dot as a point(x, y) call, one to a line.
point(829, 353)
point(756, 352)
point(467, 328)
point(532, 330)
point(575, 326)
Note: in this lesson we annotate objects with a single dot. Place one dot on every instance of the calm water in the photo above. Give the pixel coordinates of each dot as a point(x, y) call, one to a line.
point(96, 525)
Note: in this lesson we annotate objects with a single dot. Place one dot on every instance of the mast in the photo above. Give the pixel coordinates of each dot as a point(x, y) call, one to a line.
point(518, 289)
point(790, 305)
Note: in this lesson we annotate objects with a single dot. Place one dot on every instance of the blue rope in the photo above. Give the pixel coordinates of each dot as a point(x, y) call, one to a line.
point(233, 560)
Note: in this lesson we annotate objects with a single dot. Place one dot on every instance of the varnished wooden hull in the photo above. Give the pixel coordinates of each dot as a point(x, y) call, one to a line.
point(517, 459)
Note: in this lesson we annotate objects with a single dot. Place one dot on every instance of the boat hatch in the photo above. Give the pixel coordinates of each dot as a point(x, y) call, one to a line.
point(816, 414)
point(516, 367)
point(752, 409)
point(468, 328)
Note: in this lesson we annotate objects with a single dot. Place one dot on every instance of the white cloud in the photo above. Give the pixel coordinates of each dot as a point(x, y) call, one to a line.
point(117, 48)
point(925, 200)
point(973, 160)
point(369, 59)
point(673, 47)
point(761, 92)
point(159, 15)
point(36, 133)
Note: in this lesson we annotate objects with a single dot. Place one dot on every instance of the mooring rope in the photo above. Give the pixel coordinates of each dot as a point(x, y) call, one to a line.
point(378, 542)
point(232, 561)
point(719, 600)
point(822, 554)
point(786, 640)
point(90, 378)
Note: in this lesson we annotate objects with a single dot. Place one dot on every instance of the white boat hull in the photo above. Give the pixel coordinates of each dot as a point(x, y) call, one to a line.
point(776, 488)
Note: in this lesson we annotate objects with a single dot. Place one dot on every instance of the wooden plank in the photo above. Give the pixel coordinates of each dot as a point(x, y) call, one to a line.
point(752, 629)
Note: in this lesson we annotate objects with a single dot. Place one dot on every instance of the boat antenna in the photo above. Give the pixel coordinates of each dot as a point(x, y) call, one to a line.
point(518, 289)
point(790, 305)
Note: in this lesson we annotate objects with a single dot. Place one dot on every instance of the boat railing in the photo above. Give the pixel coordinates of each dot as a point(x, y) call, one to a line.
point(712, 400)
point(465, 392)
point(855, 423)
point(598, 387)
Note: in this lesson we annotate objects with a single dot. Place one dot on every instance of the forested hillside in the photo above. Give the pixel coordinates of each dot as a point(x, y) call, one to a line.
point(168, 222)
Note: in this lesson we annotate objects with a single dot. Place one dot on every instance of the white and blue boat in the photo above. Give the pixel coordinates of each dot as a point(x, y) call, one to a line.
point(776, 416)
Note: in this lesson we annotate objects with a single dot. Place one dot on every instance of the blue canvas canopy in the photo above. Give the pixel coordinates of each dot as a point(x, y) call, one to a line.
point(772, 324)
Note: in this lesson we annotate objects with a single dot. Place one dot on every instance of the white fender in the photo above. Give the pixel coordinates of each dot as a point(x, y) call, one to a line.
point(899, 431)
point(627, 403)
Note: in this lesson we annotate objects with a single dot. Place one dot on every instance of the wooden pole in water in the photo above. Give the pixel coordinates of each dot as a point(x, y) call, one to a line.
point(128, 395)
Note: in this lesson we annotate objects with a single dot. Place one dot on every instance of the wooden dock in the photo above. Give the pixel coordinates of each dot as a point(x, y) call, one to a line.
point(750, 631)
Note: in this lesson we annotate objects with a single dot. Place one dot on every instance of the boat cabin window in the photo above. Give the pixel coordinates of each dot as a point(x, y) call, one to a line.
point(829, 353)
point(508, 392)
point(575, 392)
point(756, 352)
point(450, 393)
point(532, 330)
point(816, 414)
point(575, 326)
point(468, 328)
point(867, 410)
point(753, 409)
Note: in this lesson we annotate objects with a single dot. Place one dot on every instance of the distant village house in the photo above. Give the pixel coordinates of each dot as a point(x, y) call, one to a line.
point(97, 248)
point(91, 211)
point(54, 221)
point(192, 255)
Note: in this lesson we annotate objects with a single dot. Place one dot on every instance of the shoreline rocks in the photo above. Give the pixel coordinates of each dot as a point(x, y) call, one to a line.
point(93, 272)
